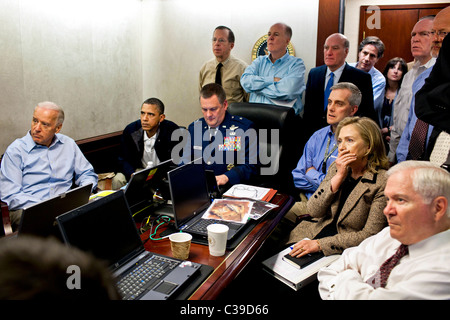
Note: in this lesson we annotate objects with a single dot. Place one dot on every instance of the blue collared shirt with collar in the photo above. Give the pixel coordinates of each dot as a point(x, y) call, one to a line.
point(258, 80)
point(403, 145)
point(313, 156)
point(31, 173)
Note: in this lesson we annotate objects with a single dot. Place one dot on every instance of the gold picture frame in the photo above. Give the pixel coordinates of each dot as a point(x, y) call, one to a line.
point(260, 48)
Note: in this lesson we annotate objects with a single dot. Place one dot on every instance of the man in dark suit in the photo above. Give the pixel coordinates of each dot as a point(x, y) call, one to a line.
point(335, 52)
point(145, 142)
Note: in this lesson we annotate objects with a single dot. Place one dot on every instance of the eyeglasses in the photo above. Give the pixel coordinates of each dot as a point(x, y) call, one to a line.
point(440, 34)
point(422, 34)
point(219, 40)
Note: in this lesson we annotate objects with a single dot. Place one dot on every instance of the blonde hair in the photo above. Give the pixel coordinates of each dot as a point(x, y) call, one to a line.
point(371, 135)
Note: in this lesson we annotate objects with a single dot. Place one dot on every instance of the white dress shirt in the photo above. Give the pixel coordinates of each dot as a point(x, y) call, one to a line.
point(422, 274)
point(149, 155)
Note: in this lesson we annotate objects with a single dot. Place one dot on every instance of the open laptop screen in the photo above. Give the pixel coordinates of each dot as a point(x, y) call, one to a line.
point(104, 228)
point(39, 219)
point(143, 183)
point(189, 192)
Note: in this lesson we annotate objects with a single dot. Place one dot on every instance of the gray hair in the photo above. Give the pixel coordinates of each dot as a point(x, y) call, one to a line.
point(52, 106)
point(355, 94)
point(344, 39)
point(429, 180)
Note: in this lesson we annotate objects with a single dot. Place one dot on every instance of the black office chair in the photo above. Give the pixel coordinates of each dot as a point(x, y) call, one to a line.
point(288, 148)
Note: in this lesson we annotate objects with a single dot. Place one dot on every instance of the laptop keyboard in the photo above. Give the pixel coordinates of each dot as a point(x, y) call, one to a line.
point(201, 225)
point(145, 276)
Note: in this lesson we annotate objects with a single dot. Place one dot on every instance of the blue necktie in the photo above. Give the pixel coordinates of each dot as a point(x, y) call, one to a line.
point(328, 90)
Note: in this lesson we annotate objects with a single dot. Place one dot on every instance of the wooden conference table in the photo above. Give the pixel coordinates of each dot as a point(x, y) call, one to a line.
point(227, 267)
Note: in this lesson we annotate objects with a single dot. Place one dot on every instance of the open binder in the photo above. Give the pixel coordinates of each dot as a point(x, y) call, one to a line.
point(295, 277)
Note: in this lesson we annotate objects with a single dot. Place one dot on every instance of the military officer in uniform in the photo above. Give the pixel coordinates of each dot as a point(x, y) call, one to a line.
point(227, 143)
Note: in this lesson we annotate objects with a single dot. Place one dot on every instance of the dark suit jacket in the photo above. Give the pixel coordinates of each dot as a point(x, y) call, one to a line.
point(132, 145)
point(315, 117)
point(361, 215)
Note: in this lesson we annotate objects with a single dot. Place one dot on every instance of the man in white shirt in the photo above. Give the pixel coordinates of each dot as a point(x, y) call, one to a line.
point(421, 45)
point(418, 213)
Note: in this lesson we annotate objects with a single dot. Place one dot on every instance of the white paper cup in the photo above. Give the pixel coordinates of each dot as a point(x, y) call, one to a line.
point(217, 239)
point(180, 243)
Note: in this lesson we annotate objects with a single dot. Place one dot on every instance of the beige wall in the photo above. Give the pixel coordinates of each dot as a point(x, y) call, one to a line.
point(84, 55)
point(100, 59)
point(177, 41)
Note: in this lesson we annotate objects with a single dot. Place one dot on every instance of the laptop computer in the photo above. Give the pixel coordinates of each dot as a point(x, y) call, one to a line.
point(106, 229)
point(190, 200)
point(39, 219)
point(142, 185)
point(213, 189)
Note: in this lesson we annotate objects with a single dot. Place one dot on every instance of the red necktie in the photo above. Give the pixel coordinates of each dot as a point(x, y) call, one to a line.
point(418, 137)
point(390, 263)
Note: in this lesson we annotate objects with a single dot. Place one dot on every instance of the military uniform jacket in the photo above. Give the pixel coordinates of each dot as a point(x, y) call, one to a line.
point(230, 150)
point(360, 217)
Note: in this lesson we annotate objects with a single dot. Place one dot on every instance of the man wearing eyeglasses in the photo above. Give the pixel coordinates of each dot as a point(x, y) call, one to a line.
point(224, 69)
point(421, 42)
point(441, 26)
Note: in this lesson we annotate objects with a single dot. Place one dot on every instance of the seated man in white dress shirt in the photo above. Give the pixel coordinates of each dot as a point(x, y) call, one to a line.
point(418, 213)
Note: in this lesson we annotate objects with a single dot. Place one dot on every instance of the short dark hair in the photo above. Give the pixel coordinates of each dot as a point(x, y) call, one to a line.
point(155, 101)
point(213, 89)
point(230, 33)
point(376, 42)
point(393, 62)
point(37, 269)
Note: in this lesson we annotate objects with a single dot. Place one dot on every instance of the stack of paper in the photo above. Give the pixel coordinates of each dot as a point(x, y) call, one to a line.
point(250, 192)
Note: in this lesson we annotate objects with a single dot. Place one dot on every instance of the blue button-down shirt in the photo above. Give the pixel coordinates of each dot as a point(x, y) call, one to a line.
point(31, 173)
point(403, 145)
point(313, 156)
point(258, 80)
point(378, 86)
